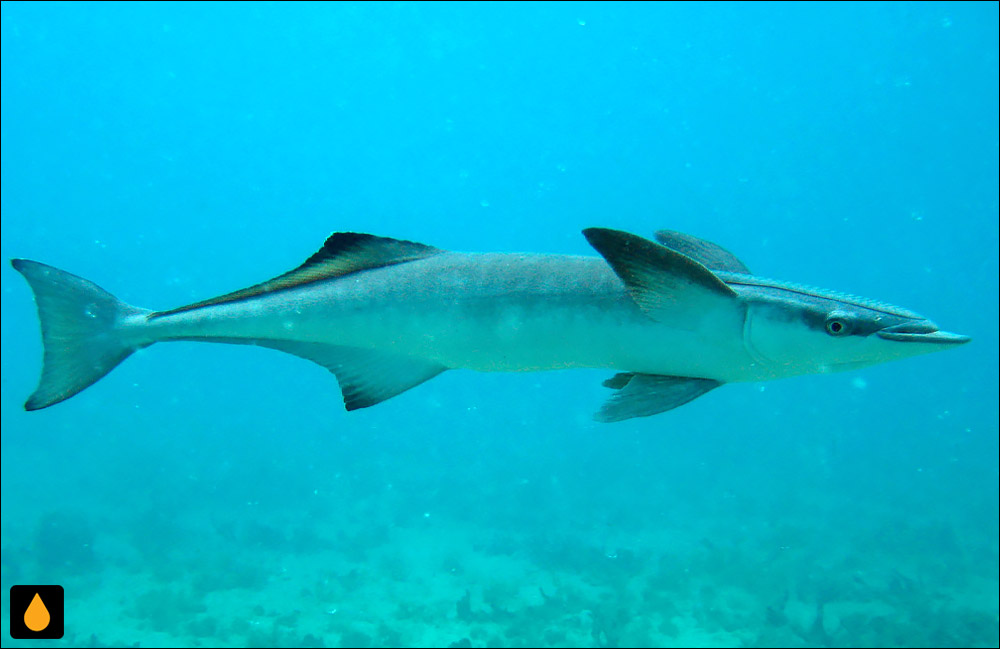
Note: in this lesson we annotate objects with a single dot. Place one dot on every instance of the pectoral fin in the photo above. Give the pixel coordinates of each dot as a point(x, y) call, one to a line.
point(712, 255)
point(667, 285)
point(642, 395)
point(366, 376)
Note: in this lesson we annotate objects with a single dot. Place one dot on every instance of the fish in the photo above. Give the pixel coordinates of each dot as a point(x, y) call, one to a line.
point(674, 318)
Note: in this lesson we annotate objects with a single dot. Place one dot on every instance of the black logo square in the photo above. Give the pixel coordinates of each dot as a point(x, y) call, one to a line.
point(36, 612)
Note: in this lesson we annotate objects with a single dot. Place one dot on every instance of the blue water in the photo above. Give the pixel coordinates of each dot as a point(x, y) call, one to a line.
point(215, 495)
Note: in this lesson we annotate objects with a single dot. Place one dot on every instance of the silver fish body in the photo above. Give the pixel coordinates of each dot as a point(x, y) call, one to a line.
point(675, 319)
point(485, 312)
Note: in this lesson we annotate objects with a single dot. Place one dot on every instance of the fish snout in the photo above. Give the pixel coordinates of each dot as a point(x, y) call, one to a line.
point(921, 331)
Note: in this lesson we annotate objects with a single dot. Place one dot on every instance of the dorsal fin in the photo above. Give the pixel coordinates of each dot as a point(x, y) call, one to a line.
point(712, 255)
point(342, 254)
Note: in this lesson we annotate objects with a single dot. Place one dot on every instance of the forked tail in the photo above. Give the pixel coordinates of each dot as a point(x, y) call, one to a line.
point(84, 332)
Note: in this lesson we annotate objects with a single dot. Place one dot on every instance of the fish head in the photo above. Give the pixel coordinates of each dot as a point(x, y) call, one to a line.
point(803, 330)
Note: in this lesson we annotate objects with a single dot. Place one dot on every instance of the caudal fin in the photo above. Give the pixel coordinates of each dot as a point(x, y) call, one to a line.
point(83, 332)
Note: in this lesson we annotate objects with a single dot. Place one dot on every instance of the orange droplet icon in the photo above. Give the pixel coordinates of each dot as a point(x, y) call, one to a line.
point(37, 616)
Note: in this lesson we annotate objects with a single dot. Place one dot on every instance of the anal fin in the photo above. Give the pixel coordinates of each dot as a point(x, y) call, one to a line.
point(642, 395)
point(366, 376)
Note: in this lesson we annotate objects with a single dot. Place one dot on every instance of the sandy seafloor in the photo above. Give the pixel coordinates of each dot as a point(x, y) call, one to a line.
point(430, 581)
point(205, 495)
point(515, 546)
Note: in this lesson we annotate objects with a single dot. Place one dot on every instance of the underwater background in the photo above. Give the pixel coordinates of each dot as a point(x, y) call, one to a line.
point(211, 495)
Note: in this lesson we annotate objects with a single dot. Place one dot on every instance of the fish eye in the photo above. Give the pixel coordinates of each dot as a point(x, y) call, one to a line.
point(837, 325)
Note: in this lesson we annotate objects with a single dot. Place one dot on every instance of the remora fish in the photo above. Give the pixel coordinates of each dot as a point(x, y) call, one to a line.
point(675, 319)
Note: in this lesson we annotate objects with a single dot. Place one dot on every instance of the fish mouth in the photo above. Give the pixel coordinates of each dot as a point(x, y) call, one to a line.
point(921, 332)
